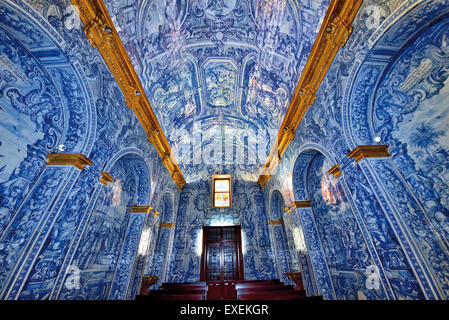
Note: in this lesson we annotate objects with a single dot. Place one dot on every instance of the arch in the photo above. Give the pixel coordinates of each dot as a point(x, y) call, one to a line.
point(46, 106)
point(35, 33)
point(100, 246)
point(396, 34)
point(400, 96)
point(304, 155)
point(165, 205)
point(331, 230)
point(36, 92)
point(141, 169)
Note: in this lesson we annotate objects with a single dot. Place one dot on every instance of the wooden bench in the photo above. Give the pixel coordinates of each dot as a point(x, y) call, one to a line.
point(153, 296)
point(263, 289)
point(180, 291)
point(273, 295)
point(239, 286)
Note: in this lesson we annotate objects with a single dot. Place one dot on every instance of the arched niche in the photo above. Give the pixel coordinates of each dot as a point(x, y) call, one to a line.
point(166, 207)
point(277, 205)
point(163, 242)
point(338, 252)
point(45, 104)
point(141, 169)
point(404, 68)
point(110, 231)
point(281, 245)
point(398, 95)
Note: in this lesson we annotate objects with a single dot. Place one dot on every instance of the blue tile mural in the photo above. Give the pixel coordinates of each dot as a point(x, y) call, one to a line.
point(57, 95)
point(281, 248)
point(100, 245)
point(226, 65)
point(387, 86)
point(247, 210)
point(163, 242)
point(344, 247)
point(220, 76)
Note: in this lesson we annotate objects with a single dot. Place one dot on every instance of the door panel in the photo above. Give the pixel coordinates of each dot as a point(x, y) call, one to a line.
point(214, 262)
point(229, 261)
point(222, 261)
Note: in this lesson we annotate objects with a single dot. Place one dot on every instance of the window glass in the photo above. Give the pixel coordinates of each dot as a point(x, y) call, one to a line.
point(222, 192)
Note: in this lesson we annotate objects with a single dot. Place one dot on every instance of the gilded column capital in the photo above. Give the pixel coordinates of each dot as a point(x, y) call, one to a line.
point(167, 225)
point(77, 160)
point(141, 209)
point(155, 213)
point(275, 222)
point(263, 179)
point(105, 178)
point(335, 171)
point(369, 151)
point(301, 204)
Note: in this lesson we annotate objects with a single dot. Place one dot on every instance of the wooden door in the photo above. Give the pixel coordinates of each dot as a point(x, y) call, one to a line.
point(222, 260)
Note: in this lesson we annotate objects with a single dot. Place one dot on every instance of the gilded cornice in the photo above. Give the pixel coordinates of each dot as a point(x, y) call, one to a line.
point(105, 178)
point(275, 222)
point(102, 34)
point(369, 151)
point(334, 32)
point(301, 204)
point(335, 170)
point(141, 209)
point(167, 225)
point(68, 159)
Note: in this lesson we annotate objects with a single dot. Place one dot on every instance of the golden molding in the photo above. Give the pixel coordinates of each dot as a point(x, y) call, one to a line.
point(155, 214)
point(301, 204)
point(68, 159)
point(167, 225)
point(105, 178)
point(335, 171)
point(275, 222)
point(102, 34)
point(334, 32)
point(141, 209)
point(370, 151)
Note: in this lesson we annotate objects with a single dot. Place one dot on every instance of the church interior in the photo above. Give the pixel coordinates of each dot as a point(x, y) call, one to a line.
point(224, 149)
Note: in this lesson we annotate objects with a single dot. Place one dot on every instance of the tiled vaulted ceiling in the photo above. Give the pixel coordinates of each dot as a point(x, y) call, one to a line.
point(219, 74)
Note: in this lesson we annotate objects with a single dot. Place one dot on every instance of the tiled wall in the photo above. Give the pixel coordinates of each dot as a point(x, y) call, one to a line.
point(379, 231)
point(195, 211)
point(387, 85)
point(59, 96)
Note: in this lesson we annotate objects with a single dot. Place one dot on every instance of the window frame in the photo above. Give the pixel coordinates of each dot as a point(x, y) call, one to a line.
point(221, 177)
